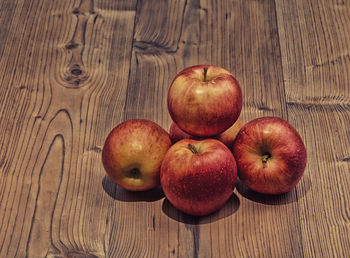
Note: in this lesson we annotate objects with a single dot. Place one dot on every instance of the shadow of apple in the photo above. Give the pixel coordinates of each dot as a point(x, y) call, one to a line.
point(279, 199)
point(118, 193)
point(230, 207)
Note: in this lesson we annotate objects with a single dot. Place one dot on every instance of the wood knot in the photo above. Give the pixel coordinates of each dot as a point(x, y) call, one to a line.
point(72, 46)
point(96, 149)
point(2, 161)
point(76, 11)
point(264, 108)
point(77, 76)
point(76, 71)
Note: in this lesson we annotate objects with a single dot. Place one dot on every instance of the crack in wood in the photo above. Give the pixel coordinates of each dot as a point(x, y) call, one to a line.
point(152, 48)
point(77, 71)
point(332, 62)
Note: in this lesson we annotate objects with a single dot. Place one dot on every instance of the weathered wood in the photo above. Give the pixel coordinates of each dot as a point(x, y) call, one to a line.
point(63, 88)
point(315, 52)
point(72, 70)
point(265, 230)
point(215, 33)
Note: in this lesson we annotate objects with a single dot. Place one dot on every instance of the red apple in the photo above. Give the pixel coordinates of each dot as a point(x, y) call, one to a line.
point(270, 155)
point(227, 137)
point(133, 153)
point(176, 134)
point(198, 177)
point(204, 100)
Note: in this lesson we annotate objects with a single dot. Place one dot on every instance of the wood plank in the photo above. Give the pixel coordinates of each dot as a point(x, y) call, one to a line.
point(62, 92)
point(315, 52)
point(157, 30)
point(315, 63)
point(266, 225)
point(156, 38)
point(72, 70)
point(242, 38)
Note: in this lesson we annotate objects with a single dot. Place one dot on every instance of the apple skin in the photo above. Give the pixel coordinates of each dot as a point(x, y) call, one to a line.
point(270, 155)
point(133, 153)
point(198, 183)
point(204, 103)
point(227, 137)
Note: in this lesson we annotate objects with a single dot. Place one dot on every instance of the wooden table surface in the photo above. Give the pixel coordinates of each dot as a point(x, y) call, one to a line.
point(72, 70)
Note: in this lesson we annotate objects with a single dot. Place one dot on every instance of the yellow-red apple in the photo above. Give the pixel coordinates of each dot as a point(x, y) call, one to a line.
point(270, 155)
point(227, 137)
point(204, 100)
point(133, 153)
point(198, 177)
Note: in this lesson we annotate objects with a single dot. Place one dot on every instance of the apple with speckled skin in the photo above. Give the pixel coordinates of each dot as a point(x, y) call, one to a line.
point(270, 155)
point(198, 177)
point(204, 100)
point(133, 153)
point(227, 137)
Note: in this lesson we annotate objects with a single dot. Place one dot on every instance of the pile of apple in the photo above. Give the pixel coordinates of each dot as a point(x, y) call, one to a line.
point(207, 147)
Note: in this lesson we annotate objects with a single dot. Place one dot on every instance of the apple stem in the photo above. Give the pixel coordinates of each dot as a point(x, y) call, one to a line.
point(266, 157)
point(192, 148)
point(205, 74)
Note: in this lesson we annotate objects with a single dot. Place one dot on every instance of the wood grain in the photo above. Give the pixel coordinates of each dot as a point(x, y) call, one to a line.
point(60, 81)
point(72, 70)
point(315, 69)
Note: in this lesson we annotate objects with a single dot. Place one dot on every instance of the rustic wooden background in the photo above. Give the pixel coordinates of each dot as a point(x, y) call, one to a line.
point(71, 70)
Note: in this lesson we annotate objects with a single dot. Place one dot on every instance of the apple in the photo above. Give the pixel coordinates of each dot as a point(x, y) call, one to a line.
point(270, 155)
point(227, 137)
point(198, 177)
point(133, 153)
point(204, 100)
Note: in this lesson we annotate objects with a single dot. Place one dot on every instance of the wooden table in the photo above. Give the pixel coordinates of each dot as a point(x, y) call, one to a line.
point(72, 70)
